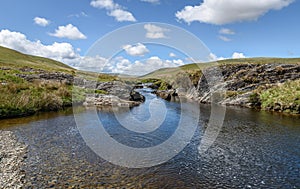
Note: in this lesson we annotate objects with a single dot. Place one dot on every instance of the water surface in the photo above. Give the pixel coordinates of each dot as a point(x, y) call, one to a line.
point(253, 150)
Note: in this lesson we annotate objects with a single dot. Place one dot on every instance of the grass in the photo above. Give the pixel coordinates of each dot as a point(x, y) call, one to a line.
point(19, 97)
point(284, 97)
point(13, 59)
point(26, 98)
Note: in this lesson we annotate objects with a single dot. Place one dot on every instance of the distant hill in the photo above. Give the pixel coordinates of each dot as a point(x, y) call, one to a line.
point(14, 59)
point(170, 72)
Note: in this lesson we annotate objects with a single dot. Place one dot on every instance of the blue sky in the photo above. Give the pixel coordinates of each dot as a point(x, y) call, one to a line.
point(65, 29)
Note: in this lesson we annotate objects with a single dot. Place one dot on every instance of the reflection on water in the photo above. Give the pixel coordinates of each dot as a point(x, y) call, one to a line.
point(253, 150)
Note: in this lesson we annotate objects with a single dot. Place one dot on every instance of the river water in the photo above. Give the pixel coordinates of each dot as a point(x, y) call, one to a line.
point(252, 150)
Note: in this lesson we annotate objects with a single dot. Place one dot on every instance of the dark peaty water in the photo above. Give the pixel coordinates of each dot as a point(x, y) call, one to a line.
point(252, 150)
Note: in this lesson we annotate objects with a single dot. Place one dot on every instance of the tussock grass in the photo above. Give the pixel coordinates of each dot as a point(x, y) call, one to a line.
point(19, 99)
point(284, 97)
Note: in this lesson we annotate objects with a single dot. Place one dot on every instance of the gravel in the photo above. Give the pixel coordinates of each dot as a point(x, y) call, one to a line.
point(12, 155)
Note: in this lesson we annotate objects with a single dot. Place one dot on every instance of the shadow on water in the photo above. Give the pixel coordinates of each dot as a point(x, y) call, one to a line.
point(253, 150)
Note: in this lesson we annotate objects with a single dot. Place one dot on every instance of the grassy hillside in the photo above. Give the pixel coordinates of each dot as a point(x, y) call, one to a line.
point(29, 84)
point(14, 59)
point(191, 68)
point(20, 97)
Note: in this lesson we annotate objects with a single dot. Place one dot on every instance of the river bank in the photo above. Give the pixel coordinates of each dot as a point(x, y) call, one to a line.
point(271, 87)
point(12, 156)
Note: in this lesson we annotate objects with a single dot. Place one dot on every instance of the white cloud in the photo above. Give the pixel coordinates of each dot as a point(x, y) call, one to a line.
point(122, 15)
point(213, 57)
point(69, 31)
point(19, 42)
point(41, 21)
point(226, 31)
point(223, 38)
point(114, 10)
point(238, 55)
point(172, 55)
point(136, 50)
point(104, 4)
point(235, 55)
point(229, 11)
point(155, 32)
point(63, 52)
point(95, 64)
point(141, 67)
point(151, 1)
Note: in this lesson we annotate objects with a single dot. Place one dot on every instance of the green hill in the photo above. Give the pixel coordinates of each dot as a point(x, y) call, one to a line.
point(171, 72)
point(14, 59)
point(29, 84)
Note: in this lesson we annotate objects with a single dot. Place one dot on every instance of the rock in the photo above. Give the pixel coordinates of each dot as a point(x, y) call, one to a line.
point(136, 96)
point(242, 79)
point(55, 76)
point(109, 101)
point(166, 94)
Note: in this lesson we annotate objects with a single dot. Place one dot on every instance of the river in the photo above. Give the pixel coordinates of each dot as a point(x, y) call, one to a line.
point(254, 149)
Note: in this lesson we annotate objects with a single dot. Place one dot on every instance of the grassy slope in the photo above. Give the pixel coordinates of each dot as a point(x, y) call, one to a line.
point(19, 97)
point(171, 72)
point(14, 59)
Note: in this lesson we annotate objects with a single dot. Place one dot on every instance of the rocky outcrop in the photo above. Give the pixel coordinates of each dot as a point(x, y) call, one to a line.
point(239, 81)
point(12, 155)
point(56, 76)
point(235, 84)
point(119, 93)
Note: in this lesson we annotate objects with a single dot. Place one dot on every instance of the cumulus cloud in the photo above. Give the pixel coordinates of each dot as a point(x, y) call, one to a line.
point(172, 55)
point(155, 32)
point(115, 10)
point(223, 38)
point(69, 31)
point(226, 31)
point(19, 42)
point(95, 64)
point(151, 1)
point(63, 52)
point(41, 21)
point(104, 4)
point(229, 11)
point(136, 50)
point(140, 67)
point(122, 15)
point(235, 55)
point(213, 57)
point(238, 55)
